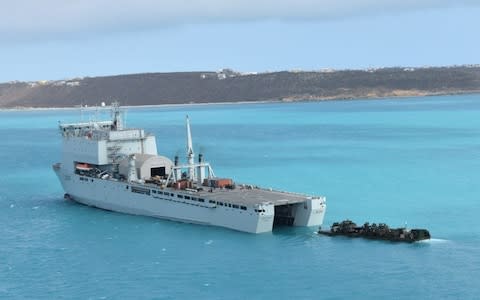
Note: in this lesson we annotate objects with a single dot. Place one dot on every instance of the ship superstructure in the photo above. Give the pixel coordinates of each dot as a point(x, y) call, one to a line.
point(106, 165)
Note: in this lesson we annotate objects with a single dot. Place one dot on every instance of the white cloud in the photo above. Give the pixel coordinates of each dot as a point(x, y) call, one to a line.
point(22, 18)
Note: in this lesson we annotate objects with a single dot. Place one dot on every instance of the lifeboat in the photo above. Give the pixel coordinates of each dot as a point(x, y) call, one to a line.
point(83, 167)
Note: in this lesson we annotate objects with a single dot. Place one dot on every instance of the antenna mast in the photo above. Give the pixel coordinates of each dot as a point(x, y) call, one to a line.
point(190, 154)
point(117, 116)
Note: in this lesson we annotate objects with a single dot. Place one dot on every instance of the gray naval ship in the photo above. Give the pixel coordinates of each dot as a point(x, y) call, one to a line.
point(108, 166)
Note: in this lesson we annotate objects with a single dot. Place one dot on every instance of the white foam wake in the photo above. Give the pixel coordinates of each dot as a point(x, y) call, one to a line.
point(435, 241)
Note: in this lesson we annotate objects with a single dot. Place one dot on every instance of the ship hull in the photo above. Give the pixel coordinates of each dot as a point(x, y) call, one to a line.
point(117, 196)
point(108, 166)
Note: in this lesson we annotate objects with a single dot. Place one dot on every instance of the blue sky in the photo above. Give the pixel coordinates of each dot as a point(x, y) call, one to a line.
point(57, 39)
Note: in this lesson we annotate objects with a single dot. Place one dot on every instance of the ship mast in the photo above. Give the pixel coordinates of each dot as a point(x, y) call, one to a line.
point(190, 154)
point(117, 116)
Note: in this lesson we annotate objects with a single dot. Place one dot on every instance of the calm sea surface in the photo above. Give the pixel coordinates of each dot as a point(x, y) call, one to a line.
point(411, 160)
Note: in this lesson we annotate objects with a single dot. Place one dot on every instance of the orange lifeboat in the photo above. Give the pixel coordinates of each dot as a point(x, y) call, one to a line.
point(83, 167)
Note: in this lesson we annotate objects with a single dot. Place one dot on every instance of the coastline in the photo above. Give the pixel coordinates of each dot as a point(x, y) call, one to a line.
point(107, 107)
point(207, 88)
point(285, 100)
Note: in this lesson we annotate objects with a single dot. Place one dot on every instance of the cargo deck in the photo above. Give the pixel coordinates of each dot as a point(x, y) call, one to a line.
point(252, 196)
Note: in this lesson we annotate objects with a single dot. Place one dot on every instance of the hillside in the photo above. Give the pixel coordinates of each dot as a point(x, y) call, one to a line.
point(229, 86)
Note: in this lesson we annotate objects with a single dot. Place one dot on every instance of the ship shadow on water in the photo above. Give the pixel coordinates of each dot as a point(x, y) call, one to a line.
point(294, 235)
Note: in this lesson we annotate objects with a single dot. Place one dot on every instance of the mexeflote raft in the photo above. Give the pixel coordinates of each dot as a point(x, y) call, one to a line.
point(376, 232)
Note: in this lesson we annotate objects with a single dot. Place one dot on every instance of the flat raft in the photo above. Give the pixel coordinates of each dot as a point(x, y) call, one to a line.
point(376, 232)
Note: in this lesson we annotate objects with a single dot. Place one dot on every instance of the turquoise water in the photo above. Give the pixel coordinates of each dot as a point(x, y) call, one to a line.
point(411, 160)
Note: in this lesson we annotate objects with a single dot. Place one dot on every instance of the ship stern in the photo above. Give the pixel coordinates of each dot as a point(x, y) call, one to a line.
point(311, 212)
